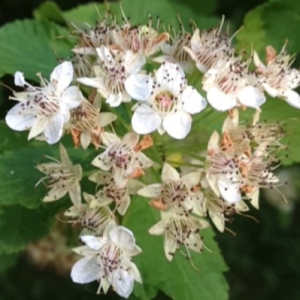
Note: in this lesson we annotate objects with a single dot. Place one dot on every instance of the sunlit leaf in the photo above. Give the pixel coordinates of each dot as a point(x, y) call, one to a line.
point(31, 47)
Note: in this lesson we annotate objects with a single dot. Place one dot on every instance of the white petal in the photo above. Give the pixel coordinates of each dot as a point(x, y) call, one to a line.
point(122, 282)
point(193, 102)
point(131, 139)
point(71, 97)
point(106, 118)
point(62, 76)
point(114, 100)
point(54, 129)
point(171, 76)
point(38, 127)
point(251, 97)
point(229, 191)
point(178, 125)
point(139, 86)
point(93, 242)
point(19, 79)
point(17, 120)
point(271, 91)
point(85, 139)
point(95, 82)
point(157, 229)
point(105, 55)
point(150, 191)
point(191, 179)
point(292, 98)
point(123, 205)
point(85, 270)
point(133, 62)
point(75, 194)
point(169, 173)
point(55, 194)
point(145, 120)
point(109, 138)
point(219, 100)
point(122, 237)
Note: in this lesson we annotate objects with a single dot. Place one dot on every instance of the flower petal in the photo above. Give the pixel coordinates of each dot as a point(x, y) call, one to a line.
point(229, 191)
point(178, 125)
point(150, 191)
point(93, 242)
point(170, 76)
point(38, 127)
point(54, 129)
point(85, 270)
point(62, 76)
point(219, 100)
point(75, 194)
point(71, 97)
point(251, 97)
point(122, 237)
point(292, 98)
point(139, 86)
point(19, 79)
point(145, 120)
point(192, 101)
point(122, 282)
point(17, 120)
point(169, 173)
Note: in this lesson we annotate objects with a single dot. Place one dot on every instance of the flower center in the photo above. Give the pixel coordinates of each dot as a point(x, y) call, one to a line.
point(165, 101)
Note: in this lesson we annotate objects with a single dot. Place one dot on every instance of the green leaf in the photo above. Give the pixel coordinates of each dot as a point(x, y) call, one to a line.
point(19, 226)
point(272, 24)
point(32, 47)
point(177, 279)
point(50, 11)
point(7, 261)
point(19, 175)
point(138, 12)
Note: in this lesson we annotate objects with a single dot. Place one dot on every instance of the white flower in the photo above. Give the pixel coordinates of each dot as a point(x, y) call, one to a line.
point(277, 77)
point(63, 178)
point(174, 51)
point(45, 109)
point(229, 84)
point(179, 230)
point(94, 216)
point(86, 123)
point(124, 157)
point(111, 192)
point(111, 74)
point(108, 260)
point(177, 194)
point(208, 47)
point(222, 172)
point(166, 101)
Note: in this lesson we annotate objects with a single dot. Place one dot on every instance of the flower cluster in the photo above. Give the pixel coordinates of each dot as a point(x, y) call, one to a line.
point(114, 63)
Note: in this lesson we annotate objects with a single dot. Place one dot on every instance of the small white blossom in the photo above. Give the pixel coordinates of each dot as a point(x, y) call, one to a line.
point(179, 230)
point(229, 84)
point(63, 178)
point(111, 192)
point(277, 77)
point(86, 123)
point(45, 110)
point(124, 157)
point(207, 47)
point(111, 74)
point(107, 259)
point(94, 216)
point(166, 101)
point(177, 194)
